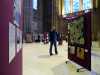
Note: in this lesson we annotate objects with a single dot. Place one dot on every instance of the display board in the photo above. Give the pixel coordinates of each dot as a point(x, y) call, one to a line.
point(79, 40)
point(15, 31)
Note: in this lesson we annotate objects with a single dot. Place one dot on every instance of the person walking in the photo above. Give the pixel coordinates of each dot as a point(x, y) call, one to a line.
point(53, 41)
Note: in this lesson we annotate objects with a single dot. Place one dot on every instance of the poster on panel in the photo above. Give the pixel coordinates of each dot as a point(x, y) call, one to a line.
point(11, 42)
point(76, 31)
point(17, 12)
point(19, 40)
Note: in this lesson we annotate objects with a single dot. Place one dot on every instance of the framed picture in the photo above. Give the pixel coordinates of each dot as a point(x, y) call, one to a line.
point(19, 40)
point(12, 49)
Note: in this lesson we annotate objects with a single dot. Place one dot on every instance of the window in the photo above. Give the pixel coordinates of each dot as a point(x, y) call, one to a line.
point(35, 4)
point(87, 4)
point(76, 5)
point(66, 6)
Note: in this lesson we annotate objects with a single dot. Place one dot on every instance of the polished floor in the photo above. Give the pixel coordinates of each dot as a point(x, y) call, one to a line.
point(36, 61)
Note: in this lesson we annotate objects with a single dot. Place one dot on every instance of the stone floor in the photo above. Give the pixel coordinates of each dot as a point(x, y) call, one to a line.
point(36, 61)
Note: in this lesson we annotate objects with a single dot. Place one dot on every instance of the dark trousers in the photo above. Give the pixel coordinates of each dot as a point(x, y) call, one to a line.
point(55, 45)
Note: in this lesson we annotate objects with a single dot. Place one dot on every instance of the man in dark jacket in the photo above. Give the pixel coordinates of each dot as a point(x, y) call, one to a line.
point(53, 40)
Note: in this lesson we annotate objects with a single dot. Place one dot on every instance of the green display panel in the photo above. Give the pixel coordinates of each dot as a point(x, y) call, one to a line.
point(76, 31)
point(79, 40)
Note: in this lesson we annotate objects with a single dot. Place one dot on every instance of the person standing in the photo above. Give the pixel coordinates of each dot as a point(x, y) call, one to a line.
point(53, 41)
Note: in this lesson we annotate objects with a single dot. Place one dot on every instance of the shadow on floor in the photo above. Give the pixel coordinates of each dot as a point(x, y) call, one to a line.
point(96, 55)
point(61, 69)
point(44, 56)
point(70, 69)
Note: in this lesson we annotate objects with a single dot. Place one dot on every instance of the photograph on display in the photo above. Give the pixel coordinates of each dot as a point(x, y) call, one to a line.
point(19, 40)
point(80, 53)
point(12, 49)
point(76, 31)
point(72, 49)
point(17, 11)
